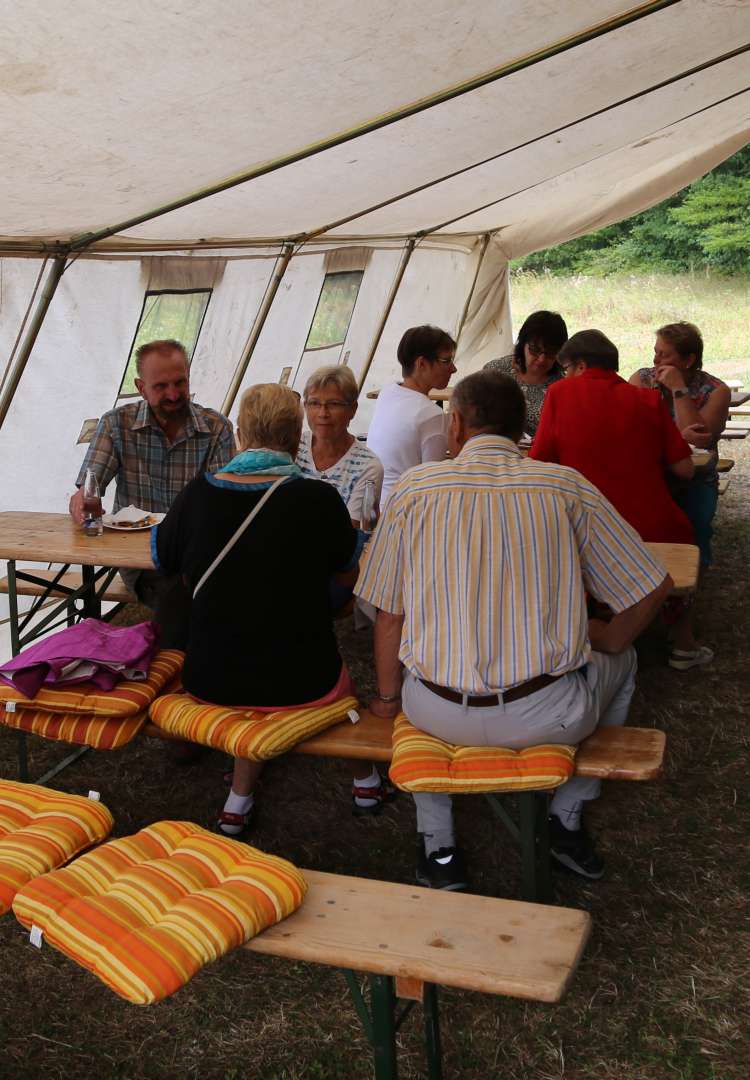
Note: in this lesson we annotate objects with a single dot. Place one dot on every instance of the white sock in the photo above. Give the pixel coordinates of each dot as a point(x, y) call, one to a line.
point(238, 804)
point(441, 838)
point(371, 781)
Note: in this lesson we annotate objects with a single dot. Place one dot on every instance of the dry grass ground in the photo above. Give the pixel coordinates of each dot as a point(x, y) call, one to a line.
point(629, 307)
point(661, 994)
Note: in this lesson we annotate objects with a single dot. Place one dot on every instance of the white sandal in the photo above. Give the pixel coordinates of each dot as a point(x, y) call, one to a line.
point(683, 660)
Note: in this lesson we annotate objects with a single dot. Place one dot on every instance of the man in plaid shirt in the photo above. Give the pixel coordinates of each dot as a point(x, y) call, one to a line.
point(153, 448)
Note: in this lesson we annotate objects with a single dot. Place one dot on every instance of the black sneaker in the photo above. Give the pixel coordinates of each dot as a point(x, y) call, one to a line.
point(443, 869)
point(574, 849)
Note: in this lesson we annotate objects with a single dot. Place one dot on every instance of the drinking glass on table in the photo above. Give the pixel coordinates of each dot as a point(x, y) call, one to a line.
point(369, 508)
point(92, 505)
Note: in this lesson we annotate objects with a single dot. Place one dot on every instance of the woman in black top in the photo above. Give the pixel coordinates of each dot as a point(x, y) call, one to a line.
point(261, 629)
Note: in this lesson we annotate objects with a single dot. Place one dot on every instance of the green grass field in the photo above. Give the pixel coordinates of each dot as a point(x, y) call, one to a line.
point(629, 307)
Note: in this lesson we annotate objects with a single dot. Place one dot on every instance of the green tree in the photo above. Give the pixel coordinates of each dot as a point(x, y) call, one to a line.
point(706, 225)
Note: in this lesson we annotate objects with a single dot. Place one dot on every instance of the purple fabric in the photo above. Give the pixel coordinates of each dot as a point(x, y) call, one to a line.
point(117, 652)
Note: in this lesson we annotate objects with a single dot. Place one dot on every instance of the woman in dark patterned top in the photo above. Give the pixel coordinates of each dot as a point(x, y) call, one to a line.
point(533, 363)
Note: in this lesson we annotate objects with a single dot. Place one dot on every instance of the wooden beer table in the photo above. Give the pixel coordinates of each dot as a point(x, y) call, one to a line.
point(55, 538)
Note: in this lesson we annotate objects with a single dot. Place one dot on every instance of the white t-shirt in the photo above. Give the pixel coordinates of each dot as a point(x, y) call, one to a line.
point(406, 429)
point(349, 475)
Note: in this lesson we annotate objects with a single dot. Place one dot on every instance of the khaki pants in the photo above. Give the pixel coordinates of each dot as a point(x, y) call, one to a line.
point(566, 711)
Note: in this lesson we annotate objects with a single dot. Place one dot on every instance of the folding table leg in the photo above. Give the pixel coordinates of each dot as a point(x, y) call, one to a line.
point(383, 1005)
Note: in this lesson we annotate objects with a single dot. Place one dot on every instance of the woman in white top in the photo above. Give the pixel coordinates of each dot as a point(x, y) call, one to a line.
point(408, 428)
point(329, 451)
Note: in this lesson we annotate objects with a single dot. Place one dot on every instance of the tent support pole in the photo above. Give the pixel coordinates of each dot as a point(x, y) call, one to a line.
point(19, 364)
point(470, 297)
point(257, 327)
point(410, 244)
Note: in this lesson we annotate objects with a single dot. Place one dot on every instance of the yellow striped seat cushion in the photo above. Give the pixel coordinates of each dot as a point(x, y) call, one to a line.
point(99, 732)
point(126, 699)
point(40, 830)
point(423, 763)
point(242, 732)
point(146, 913)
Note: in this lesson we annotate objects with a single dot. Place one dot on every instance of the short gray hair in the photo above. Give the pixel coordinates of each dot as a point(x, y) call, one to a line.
point(491, 402)
point(338, 375)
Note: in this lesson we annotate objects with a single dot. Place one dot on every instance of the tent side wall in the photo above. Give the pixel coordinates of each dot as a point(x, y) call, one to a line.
point(76, 367)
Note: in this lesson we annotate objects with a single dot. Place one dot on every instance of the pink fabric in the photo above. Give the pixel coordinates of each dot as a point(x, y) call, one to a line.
point(90, 651)
point(344, 688)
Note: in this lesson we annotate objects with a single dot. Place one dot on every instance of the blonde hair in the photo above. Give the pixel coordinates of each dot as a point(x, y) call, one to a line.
point(685, 338)
point(338, 375)
point(270, 416)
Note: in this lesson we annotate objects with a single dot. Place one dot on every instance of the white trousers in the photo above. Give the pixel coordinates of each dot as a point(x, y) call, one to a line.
point(566, 711)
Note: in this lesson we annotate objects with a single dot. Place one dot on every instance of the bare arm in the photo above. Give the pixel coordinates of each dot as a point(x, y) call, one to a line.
point(387, 664)
point(685, 469)
point(699, 426)
point(622, 630)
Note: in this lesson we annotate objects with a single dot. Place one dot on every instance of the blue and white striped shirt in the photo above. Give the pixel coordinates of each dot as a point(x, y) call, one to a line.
point(488, 558)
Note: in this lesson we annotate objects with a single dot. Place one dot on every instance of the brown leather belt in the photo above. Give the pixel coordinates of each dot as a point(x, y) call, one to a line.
point(483, 701)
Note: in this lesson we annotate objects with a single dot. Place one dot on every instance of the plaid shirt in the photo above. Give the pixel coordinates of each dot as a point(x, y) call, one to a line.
point(129, 445)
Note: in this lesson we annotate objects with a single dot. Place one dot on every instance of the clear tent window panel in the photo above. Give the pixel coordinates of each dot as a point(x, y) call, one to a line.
point(334, 310)
point(174, 314)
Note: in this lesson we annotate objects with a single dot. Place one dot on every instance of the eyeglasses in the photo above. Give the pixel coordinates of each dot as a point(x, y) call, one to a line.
point(539, 350)
point(444, 359)
point(313, 403)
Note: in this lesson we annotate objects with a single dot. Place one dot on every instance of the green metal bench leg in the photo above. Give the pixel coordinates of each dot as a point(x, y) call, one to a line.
point(23, 757)
point(432, 1032)
point(536, 879)
point(383, 1005)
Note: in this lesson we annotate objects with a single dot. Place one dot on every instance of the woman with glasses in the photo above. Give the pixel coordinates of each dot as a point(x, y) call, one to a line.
point(329, 451)
point(533, 363)
point(407, 428)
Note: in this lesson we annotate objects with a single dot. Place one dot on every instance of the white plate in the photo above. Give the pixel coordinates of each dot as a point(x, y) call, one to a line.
point(153, 519)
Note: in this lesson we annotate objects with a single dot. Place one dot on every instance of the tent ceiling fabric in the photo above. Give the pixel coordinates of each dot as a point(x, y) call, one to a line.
point(111, 112)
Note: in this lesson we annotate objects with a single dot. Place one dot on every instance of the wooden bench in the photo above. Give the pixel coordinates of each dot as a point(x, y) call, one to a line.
point(117, 591)
point(408, 940)
point(611, 753)
point(725, 464)
point(723, 485)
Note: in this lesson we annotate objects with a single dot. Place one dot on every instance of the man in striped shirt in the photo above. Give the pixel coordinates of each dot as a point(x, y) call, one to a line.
point(479, 569)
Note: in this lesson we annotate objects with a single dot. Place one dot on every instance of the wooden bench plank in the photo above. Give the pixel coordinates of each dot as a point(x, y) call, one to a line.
point(725, 464)
point(611, 753)
point(682, 562)
point(723, 484)
point(117, 591)
point(452, 939)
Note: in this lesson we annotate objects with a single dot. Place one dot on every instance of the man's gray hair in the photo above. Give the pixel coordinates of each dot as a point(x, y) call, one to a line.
point(161, 345)
point(491, 402)
point(338, 375)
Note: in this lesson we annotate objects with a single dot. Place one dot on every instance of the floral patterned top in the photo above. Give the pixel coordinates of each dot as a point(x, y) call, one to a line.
point(700, 387)
point(533, 392)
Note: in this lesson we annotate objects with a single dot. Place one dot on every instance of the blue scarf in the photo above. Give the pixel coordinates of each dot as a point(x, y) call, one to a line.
point(270, 462)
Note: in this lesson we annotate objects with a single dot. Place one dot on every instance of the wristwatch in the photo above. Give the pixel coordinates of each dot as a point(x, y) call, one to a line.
point(683, 392)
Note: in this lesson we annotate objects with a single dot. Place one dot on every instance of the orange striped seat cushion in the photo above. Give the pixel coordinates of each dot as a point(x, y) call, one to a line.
point(242, 732)
point(99, 732)
point(423, 763)
point(126, 699)
point(146, 913)
point(40, 830)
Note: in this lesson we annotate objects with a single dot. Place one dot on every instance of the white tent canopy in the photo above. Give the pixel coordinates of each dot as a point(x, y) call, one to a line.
point(253, 149)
